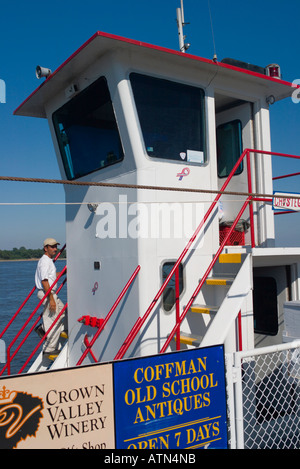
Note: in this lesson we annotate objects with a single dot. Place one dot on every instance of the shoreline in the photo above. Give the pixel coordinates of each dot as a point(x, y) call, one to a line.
point(18, 260)
point(24, 260)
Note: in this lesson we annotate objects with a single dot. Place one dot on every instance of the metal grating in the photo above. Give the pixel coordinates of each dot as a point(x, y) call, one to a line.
point(267, 397)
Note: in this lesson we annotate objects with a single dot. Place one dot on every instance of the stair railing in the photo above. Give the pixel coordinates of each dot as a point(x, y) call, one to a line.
point(10, 356)
point(111, 311)
point(284, 212)
point(176, 329)
point(43, 338)
point(27, 298)
point(179, 318)
point(141, 320)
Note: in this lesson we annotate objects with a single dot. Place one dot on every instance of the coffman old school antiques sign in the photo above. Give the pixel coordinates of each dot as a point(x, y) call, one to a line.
point(171, 401)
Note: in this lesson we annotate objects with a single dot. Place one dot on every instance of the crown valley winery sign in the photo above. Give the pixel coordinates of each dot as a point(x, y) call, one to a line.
point(171, 401)
point(68, 409)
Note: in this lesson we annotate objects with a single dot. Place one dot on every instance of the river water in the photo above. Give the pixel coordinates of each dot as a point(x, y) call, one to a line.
point(16, 282)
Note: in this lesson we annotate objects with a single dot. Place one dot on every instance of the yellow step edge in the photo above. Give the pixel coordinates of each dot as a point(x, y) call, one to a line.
point(52, 357)
point(201, 310)
point(217, 281)
point(233, 258)
point(187, 340)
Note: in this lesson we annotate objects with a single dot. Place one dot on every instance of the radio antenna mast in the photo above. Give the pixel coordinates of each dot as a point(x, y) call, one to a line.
point(180, 24)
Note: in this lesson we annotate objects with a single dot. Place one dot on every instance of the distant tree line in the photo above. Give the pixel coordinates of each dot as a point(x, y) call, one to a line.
point(23, 253)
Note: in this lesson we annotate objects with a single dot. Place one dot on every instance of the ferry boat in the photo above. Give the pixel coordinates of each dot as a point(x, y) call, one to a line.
point(166, 163)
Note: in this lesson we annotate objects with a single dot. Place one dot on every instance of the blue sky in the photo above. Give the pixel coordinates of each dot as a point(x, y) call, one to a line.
point(46, 33)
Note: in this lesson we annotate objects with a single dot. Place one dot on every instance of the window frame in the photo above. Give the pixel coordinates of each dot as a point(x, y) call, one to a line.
point(203, 136)
point(66, 156)
point(172, 279)
point(240, 169)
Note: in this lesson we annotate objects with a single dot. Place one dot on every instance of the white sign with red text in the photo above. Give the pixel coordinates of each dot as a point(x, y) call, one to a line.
point(286, 201)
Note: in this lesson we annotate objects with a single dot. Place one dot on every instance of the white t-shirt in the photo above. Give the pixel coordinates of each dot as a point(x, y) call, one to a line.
point(45, 270)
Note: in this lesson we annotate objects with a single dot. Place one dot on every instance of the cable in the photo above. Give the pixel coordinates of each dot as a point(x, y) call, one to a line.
point(141, 187)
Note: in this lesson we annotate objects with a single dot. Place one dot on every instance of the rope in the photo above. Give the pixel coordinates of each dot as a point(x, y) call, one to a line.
point(113, 202)
point(137, 186)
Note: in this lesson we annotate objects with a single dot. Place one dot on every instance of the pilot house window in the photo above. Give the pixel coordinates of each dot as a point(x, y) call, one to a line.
point(87, 131)
point(171, 117)
point(229, 147)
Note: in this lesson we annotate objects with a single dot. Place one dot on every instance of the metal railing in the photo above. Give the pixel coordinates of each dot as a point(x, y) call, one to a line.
point(251, 197)
point(11, 355)
point(176, 329)
point(263, 397)
point(179, 317)
point(43, 339)
point(26, 299)
point(105, 321)
point(285, 176)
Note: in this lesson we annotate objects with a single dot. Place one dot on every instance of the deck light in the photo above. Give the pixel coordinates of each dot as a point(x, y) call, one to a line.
point(273, 70)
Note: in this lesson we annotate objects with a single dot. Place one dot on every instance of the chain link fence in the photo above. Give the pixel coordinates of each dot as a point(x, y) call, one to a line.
point(265, 387)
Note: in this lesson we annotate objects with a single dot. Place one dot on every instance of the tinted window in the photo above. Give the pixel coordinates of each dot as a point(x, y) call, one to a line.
point(169, 294)
point(87, 131)
point(171, 116)
point(229, 147)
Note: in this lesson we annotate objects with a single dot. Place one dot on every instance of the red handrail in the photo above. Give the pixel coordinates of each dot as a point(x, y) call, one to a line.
point(40, 317)
point(100, 329)
point(286, 176)
point(177, 295)
point(250, 205)
point(36, 323)
point(271, 153)
point(87, 344)
point(140, 321)
point(17, 312)
point(223, 244)
point(209, 269)
point(283, 212)
point(10, 357)
point(44, 338)
point(27, 298)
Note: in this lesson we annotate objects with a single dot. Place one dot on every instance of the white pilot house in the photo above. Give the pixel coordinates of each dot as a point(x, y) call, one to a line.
point(167, 170)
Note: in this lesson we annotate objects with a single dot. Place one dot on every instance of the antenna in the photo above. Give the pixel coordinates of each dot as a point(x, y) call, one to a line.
point(180, 24)
point(215, 58)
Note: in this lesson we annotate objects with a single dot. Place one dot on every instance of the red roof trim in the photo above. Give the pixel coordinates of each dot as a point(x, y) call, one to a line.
point(158, 48)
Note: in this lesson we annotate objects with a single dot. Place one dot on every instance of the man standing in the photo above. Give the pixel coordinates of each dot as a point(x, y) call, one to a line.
point(45, 275)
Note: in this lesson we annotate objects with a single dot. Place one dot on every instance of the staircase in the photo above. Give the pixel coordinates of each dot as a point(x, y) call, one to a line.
point(52, 361)
point(229, 285)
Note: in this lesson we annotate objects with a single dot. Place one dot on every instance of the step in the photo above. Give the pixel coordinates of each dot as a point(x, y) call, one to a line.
point(204, 309)
point(51, 355)
point(189, 339)
point(228, 264)
point(230, 258)
point(226, 281)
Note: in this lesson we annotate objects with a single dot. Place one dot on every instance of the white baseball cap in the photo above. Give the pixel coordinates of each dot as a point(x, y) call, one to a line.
point(50, 242)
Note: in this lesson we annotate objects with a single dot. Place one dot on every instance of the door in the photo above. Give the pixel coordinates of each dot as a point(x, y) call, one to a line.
point(234, 134)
